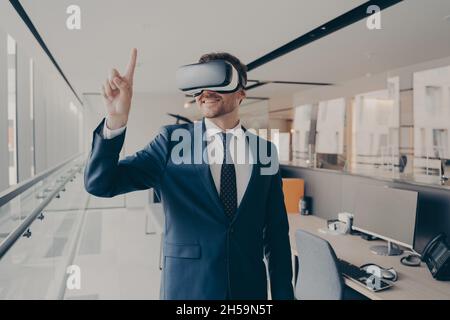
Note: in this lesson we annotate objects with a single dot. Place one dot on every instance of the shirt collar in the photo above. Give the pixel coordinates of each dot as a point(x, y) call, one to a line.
point(212, 129)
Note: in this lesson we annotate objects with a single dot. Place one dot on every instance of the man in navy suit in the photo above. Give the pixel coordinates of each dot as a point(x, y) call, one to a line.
point(222, 218)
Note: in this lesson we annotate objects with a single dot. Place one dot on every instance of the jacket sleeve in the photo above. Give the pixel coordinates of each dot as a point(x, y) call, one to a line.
point(277, 248)
point(106, 176)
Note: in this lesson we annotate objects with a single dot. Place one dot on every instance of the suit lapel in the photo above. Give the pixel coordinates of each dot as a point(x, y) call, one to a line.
point(254, 178)
point(199, 149)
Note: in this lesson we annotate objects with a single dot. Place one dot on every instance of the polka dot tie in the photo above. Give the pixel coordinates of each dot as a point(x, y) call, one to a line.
point(228, 192)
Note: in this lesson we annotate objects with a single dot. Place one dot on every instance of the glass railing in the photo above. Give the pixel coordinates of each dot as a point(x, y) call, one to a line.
point(39, 229)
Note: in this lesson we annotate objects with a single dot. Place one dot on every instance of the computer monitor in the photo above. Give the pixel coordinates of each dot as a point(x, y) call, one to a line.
point(433, 218)
point(386, 213)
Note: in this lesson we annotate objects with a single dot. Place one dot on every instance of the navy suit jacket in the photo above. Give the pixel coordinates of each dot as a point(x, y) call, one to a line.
point(206, 255)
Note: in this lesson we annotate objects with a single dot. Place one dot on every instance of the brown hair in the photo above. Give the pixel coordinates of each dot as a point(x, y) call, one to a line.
point(240, 67)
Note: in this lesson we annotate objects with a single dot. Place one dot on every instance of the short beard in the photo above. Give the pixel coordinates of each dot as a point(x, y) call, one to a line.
point(218, 113)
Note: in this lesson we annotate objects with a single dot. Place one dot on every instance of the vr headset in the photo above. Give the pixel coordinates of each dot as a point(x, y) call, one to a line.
point(218, 75)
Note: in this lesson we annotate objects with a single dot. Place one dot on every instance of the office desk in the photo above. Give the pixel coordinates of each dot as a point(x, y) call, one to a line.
point(413, 282)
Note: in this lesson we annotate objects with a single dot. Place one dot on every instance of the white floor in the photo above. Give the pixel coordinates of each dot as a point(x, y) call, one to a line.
point(117, 259)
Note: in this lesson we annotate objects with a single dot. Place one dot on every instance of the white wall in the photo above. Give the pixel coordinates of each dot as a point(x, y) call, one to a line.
point(330, 126)
point(301, 126)
point(254, 115)
point(40, 116)
point(24, 122)
point(148, 115)
point(431, 111)
point(3, 115)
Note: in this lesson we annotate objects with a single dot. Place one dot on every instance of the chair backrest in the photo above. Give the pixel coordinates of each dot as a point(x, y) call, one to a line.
point(318, 276)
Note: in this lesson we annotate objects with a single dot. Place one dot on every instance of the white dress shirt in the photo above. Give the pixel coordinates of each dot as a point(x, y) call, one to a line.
point(110, 134)
point(239, 153)
point(240, 145)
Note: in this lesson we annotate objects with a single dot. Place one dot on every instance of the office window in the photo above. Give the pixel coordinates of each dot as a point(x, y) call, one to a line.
point(12, 110)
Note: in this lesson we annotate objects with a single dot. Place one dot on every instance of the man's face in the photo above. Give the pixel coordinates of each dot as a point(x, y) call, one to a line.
point(213, 104)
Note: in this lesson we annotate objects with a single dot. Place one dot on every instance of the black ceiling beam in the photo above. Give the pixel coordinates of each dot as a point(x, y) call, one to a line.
point(326, 29)
point(26, 19)
point(256, 85)
point(304, 83)
point(293, 82)
point(257, 98)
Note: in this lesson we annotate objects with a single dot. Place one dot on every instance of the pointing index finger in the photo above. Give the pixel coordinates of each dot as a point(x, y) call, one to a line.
point(131, 65)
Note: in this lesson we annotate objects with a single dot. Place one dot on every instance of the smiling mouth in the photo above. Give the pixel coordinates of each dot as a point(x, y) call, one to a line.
point(210, 100)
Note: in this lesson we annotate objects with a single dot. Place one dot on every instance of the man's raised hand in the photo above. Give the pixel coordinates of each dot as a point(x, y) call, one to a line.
point(117, 93)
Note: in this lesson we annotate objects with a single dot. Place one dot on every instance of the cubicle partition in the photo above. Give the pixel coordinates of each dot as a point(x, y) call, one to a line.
point(335, 191)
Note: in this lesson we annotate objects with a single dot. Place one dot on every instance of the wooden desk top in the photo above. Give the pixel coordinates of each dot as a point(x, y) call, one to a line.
point(413, 282)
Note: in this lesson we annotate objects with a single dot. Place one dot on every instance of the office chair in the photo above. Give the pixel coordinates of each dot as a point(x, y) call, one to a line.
point(318, 274)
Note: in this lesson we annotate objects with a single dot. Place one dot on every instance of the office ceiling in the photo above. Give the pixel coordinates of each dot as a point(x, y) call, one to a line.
point(171, 33)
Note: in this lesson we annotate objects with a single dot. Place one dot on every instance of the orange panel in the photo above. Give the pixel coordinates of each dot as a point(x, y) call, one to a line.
point(294, 190)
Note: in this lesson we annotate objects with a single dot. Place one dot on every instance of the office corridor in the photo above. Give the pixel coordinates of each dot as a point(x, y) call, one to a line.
point(116, 248)
point(301, 150)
